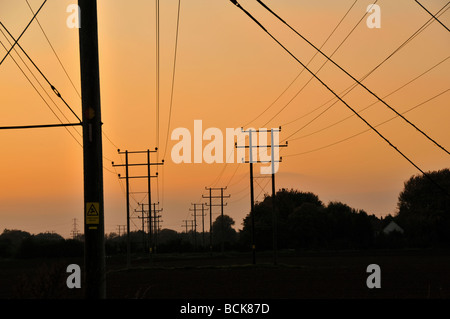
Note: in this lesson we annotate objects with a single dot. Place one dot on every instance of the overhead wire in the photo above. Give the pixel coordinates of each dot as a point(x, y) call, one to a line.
point(24, 30)
point(364, 131)
point(157, 90)
point(298, 75)
point(368, 106)
point(173, 76)
point(54, 51)
point(302, 70)
point(40, 95)
point(171, 94)
point(321, 67)
point(351, 76)
point(354, 85)
point(434, 16)
point(42, 74)
point(334, 93)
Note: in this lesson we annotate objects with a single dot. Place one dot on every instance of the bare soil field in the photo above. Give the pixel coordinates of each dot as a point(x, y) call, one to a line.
point(308, 275)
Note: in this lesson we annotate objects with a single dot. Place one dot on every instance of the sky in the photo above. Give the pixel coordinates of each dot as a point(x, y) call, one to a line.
point(228, 74)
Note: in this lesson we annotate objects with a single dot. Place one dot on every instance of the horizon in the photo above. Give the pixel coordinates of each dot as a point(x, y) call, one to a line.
point(228, 74)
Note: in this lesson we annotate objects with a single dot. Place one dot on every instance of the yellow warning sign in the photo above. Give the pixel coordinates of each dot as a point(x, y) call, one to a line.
point(92, 213)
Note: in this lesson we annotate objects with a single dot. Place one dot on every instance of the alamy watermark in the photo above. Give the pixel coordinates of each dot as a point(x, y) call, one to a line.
point(374, 19)
point(226, 148)
point(74, 19)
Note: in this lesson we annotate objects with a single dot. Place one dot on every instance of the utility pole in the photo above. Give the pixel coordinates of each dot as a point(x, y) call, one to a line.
point(127, 177)
point(195, 223)
point(186, 224)
point(221, 211)
point(203, 220)
point(94, 225)
point(156, 224)
point(210, 218)
point(120, 226)
point(142, 211)
point(252, 200)
point(221, 205)
point(203, 224)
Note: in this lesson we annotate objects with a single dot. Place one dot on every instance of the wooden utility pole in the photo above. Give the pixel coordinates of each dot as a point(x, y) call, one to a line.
point(272, 162)
point(221, 210)
point(195, 223)
point(127, 177)
point(142, 217)
point(94, 227)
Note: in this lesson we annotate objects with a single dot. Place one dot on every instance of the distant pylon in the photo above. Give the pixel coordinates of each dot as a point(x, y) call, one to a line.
point(75, 232)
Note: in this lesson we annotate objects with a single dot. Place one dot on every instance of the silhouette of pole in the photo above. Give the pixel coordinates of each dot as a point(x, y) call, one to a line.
point(94, 228)
point(252, 201)
point(128, 210)
point(274, 214)
point(252, 198)
point(210, 219)
point(203, 225)
point(210, 214)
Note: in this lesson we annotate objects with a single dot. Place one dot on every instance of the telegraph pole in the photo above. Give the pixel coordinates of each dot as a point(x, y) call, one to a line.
point(142, 211)
point(127, 177)
point(120, 227)
point(210, 217)
point(192, 225)
point(272, 162)
point(149, 189)
point(186, 225)
point(195, 224)
point(94, 226)
point(221, 205)
point(203, 220)
point(156, 224)
point(203, 224)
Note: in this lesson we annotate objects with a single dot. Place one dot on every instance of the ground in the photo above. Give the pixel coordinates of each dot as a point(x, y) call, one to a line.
point(408, 274)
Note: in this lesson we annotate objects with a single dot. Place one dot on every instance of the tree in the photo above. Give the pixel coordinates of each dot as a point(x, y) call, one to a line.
point(424, 209)
point(10, 241)
point(287, 202)
point(307, 226)
point(222, 228)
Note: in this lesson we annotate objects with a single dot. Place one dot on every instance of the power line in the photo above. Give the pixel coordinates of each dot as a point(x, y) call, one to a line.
point(350, 88)
point(157, 73)
point(173, 77)
point(32, 75)
point(43, 99)
point(18, 127)
point(345, 103)
point(362, 132)
point(352, 77)
point(321, 67)
point(54, 51)
point(42, 74)
point(301, 72)
point(353, 86)
point(367, 107)
point(433, 14)
point(68, 77)
point(29, 23)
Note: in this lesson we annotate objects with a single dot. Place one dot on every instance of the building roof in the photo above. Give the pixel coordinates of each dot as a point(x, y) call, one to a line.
point(392, 226)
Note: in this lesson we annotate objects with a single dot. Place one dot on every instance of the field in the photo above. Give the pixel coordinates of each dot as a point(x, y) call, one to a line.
point(308, 275)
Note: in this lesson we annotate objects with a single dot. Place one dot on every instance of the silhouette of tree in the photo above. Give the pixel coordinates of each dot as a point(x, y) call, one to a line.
point(424, 209)
point(228, 233)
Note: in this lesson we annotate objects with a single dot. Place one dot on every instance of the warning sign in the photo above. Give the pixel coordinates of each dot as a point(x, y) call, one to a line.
point(92, 213)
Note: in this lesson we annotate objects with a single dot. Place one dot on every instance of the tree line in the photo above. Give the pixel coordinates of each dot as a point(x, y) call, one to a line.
point(304, 222)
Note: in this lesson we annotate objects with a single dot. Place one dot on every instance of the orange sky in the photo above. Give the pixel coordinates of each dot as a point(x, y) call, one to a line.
point(228, 71)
